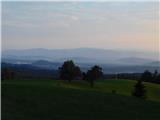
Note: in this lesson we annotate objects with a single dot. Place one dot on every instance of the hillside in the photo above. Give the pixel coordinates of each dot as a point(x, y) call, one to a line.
point(58, 100)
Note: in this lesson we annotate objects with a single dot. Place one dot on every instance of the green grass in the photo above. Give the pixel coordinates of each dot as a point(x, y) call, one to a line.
point(59, 100)
point(122, 87)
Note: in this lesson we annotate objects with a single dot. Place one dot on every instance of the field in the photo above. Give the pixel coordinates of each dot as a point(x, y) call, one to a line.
point(59, 100)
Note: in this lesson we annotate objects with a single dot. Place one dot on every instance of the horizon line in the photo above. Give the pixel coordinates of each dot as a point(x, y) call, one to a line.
point(117, 49)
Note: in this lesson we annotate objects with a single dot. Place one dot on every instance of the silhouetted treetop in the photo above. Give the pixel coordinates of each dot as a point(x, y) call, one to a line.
point(94, 73)
point(69, 71)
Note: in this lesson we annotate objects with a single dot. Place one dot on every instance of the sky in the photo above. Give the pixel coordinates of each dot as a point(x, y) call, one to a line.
point(65, 25)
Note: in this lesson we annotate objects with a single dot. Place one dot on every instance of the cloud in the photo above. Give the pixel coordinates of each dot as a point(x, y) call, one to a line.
point(55, 23)
point(74, 18)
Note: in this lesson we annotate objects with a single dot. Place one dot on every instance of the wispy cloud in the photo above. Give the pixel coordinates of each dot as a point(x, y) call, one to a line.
point(105, 24)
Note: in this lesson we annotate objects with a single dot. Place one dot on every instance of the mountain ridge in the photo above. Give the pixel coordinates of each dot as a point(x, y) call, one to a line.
point(85, 55)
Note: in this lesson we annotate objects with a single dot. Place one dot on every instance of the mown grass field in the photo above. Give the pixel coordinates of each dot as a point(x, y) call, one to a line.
point(59, 100)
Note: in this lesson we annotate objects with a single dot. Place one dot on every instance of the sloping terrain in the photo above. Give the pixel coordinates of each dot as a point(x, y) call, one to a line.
point(59, 100)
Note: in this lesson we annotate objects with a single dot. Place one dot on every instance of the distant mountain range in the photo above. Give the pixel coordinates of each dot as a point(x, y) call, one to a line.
point(111, 61)
point(81, 55)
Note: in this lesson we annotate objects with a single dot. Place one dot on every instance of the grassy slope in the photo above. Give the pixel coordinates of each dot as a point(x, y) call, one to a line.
point(122, 87)
point(53, 100)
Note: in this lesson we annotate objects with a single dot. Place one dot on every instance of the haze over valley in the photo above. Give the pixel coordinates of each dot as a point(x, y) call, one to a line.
point(111, 60)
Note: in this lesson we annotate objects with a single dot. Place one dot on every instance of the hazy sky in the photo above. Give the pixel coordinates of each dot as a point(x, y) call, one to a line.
point(107, 25)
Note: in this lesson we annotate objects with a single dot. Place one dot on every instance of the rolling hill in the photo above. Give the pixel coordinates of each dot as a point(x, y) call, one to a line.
point(58, 100)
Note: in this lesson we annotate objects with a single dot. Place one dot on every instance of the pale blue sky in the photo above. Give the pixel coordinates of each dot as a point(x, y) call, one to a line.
point(107, 25)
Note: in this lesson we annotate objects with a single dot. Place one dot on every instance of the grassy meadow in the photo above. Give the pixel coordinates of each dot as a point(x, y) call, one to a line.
point(59, 100)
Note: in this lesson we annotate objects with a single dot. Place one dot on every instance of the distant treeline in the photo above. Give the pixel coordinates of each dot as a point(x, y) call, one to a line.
point(147, 76)
point(22, 71)
point(130, 76)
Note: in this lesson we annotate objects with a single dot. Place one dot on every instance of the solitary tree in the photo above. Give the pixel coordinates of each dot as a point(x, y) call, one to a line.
point(139, 90)
point(69, 71)
point(146, 76)
point(93, 74)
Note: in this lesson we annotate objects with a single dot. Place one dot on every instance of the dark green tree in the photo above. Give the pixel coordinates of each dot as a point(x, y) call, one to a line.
point(77, 72)
point(69, 71)
point(146, 76)
point(93, 74)
point(139, 90)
